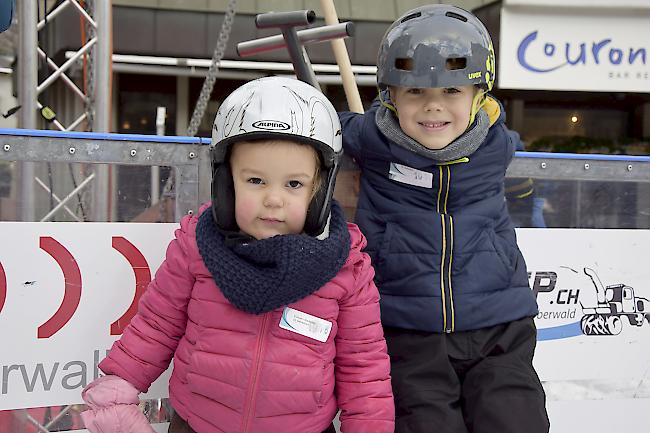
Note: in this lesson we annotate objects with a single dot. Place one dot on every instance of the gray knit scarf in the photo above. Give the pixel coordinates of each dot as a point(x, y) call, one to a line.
point(463, 146)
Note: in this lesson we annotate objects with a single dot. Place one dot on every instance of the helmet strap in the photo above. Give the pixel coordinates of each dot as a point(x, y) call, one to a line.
point(223, 198)
point(477, 104)
point(318, 211)
point(388, 104)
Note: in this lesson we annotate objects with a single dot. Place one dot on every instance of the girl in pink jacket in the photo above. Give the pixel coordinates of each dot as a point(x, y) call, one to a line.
point(265, 301)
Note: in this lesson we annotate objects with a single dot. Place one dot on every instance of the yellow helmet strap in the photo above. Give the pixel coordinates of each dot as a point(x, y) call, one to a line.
point(387, 104)
point(477, 104)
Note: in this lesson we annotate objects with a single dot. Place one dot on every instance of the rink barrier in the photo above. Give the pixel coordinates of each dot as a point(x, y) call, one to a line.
point(187, 155)
point(570, 361)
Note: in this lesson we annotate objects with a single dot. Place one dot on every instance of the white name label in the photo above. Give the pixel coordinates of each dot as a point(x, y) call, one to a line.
point(409, 175)
point(305, 324)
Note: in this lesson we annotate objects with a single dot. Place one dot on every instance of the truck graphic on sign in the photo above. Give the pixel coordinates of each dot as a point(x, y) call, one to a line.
point(614, 302)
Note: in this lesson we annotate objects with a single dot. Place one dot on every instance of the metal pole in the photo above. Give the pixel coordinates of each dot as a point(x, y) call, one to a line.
point(287, 22)
point(27, 97)
point(67, 198)
point(342, 59)
point(60, 70)
point(155, 170)
point(103, 53)
point(58, 200)
point(307, 36)
point(299, 58)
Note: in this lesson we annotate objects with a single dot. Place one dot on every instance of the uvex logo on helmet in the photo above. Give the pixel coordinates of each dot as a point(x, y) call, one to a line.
point(271, 125)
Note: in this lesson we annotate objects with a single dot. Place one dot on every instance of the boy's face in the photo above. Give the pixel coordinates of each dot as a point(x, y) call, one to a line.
point(434, 117)
point(273, 184)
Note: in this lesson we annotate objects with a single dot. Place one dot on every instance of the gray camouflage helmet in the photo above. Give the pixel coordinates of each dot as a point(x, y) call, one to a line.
point(436, 46)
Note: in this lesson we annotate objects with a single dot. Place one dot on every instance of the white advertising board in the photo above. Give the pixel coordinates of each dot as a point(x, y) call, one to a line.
point(67, 290)
point(568, 268)
point(583, 49)
point(615, 4)
point(593, 349)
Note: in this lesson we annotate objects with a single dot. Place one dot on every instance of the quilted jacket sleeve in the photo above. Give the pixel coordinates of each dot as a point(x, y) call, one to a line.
point(147, 346)
point(514, 144)
point(362, 365)
point(351, 127)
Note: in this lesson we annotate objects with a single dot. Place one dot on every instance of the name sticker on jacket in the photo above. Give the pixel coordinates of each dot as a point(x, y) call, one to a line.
point(409, 175)
point(305, 324)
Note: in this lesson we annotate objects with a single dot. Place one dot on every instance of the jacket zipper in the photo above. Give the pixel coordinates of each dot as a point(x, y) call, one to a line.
point(256, 364)
point(447, 247)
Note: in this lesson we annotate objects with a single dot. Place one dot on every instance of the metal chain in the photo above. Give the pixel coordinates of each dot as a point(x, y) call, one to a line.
point(208, 84)
point(222, 41)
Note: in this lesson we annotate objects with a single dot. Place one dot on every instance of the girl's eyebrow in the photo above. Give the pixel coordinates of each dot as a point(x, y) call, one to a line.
point(249, 171)
point(298, 174)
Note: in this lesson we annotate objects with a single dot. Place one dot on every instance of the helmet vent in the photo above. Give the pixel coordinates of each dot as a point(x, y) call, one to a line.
point(404, 64)
point(411, 16)
point(456, 63)
point(457, 16)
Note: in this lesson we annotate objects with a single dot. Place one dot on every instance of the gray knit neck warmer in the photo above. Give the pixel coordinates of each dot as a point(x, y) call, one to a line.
point(463, 146)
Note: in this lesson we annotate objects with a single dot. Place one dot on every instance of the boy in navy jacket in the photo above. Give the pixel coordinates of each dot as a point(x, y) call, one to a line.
point(456, 306)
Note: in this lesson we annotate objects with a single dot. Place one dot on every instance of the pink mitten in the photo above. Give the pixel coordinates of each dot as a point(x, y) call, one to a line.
point(113, 404)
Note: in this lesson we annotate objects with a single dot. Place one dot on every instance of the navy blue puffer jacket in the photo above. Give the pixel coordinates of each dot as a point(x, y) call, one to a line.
point(446, 256)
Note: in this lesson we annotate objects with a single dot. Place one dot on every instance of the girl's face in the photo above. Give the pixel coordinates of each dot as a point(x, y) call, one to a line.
point(436, 116)
point(274, 181)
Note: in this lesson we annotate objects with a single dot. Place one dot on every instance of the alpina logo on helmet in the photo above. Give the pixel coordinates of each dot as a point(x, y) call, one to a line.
point(271, 125)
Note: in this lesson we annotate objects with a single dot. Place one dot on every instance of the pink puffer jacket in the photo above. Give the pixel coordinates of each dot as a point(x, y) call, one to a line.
point(236, 372)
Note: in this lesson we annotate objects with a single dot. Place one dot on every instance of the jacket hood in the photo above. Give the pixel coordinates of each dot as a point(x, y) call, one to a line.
point(494, 110)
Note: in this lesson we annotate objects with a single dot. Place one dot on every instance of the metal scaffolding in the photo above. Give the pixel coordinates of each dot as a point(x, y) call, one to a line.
point(95, 97)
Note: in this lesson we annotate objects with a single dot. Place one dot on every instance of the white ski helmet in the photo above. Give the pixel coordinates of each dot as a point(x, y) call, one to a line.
point(283, 109)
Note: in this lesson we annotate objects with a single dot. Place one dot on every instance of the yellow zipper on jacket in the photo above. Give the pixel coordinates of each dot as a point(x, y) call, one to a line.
point(256, 363)
point(447, 246)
